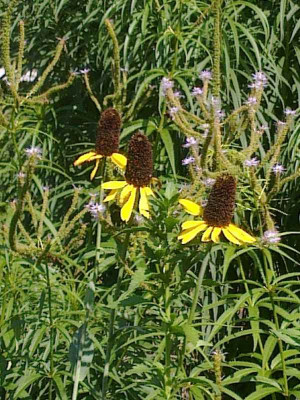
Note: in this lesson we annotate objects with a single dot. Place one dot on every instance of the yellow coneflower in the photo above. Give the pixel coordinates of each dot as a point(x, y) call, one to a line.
point(107, 142)
point(138, 176)
point(217, 215)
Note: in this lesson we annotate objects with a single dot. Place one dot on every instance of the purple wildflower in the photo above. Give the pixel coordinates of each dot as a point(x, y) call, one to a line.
point(278, 169)
point(85, 71)
point(288, 111)
point(190, 141)
point(173, 111)
point(197, 91)
point(205, 75)
point(252, 101)
point(34, 152)
point(259, 80)
point(253, 162)
point(208, 182)
point(178, 94)
point(166, 84)
point(271, 236)
point(96, 209)
point(188, 160)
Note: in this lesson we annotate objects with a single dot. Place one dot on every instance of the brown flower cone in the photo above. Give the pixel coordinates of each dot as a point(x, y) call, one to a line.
point(108, 132)
point(139, 167)
point(221, 202)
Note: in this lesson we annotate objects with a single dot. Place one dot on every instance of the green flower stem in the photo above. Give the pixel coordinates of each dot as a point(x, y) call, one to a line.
point(116, 65)
point(51, 333)
point(202, 271)
point(122, 256)
point(97, 262)
point(271, 295)
point(99, 225)
point(216, 8)
point(168, 339)
point(248, 291)
point(91, 94)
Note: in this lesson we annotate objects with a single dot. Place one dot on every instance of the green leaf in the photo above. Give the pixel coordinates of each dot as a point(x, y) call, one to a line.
point(261, 393)
point(166, 138)
point(269, 347)
point(90, 296)
point(191, 334)
point(37, 338)
point(60, 387)
point(24, 382)
point(81, 353)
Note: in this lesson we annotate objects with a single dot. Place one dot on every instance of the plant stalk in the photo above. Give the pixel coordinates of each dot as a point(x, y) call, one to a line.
point(111, 331)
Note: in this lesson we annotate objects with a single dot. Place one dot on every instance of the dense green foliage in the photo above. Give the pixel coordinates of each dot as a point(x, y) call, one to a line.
point(94, 308)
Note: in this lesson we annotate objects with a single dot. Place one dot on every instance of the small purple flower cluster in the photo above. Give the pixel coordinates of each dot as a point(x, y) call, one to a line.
point(271, 236)
point(253, 162)
point(96, 209)
point(190, 141)
point(34, 151)
point(259, 80)
point(166, 84)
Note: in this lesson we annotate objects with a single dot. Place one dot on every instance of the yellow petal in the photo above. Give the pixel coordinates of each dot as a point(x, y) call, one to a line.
point(85, 157)
point(189, 234)
point(96, 157)
point(206, 234)
point(114, 184)
point(126, 210)
point(111, 195)
point(148, 191)
point(125, 193)
point(240, 234)
point(190, 207)
point(119, 160)
point(143, 203)
point(191, 224)
point(93, 173)
point(230, 237)
point(215, 234)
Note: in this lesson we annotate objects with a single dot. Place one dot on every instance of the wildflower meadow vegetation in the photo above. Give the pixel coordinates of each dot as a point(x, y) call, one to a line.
point(150, 202)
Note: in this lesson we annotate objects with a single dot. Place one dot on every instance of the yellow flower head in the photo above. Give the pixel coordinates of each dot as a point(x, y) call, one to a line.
point(217, 215)
point(107, 142)
point(138, 175)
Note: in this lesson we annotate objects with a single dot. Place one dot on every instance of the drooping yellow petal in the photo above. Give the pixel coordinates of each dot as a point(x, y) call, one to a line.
point(240, 234)
point(189, 234)
point(191, 224)
point(85, 157)
point(148, 191)
point(119, 160)
point(126, 210)
point(93, 173)
point(215, 234)
point(125, 193)
point(230, 237)
point(191, 207)
point(114, 184)
point(143, 203)
point(111, 195)
point(96, 157)
point(206, 234)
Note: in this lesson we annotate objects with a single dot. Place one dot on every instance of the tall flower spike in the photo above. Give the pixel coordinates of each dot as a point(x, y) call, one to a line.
point(221, 202)
point(217, 215)
point(107, 142)
point(139, 167)
point(108, 132)
point(138, 177)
